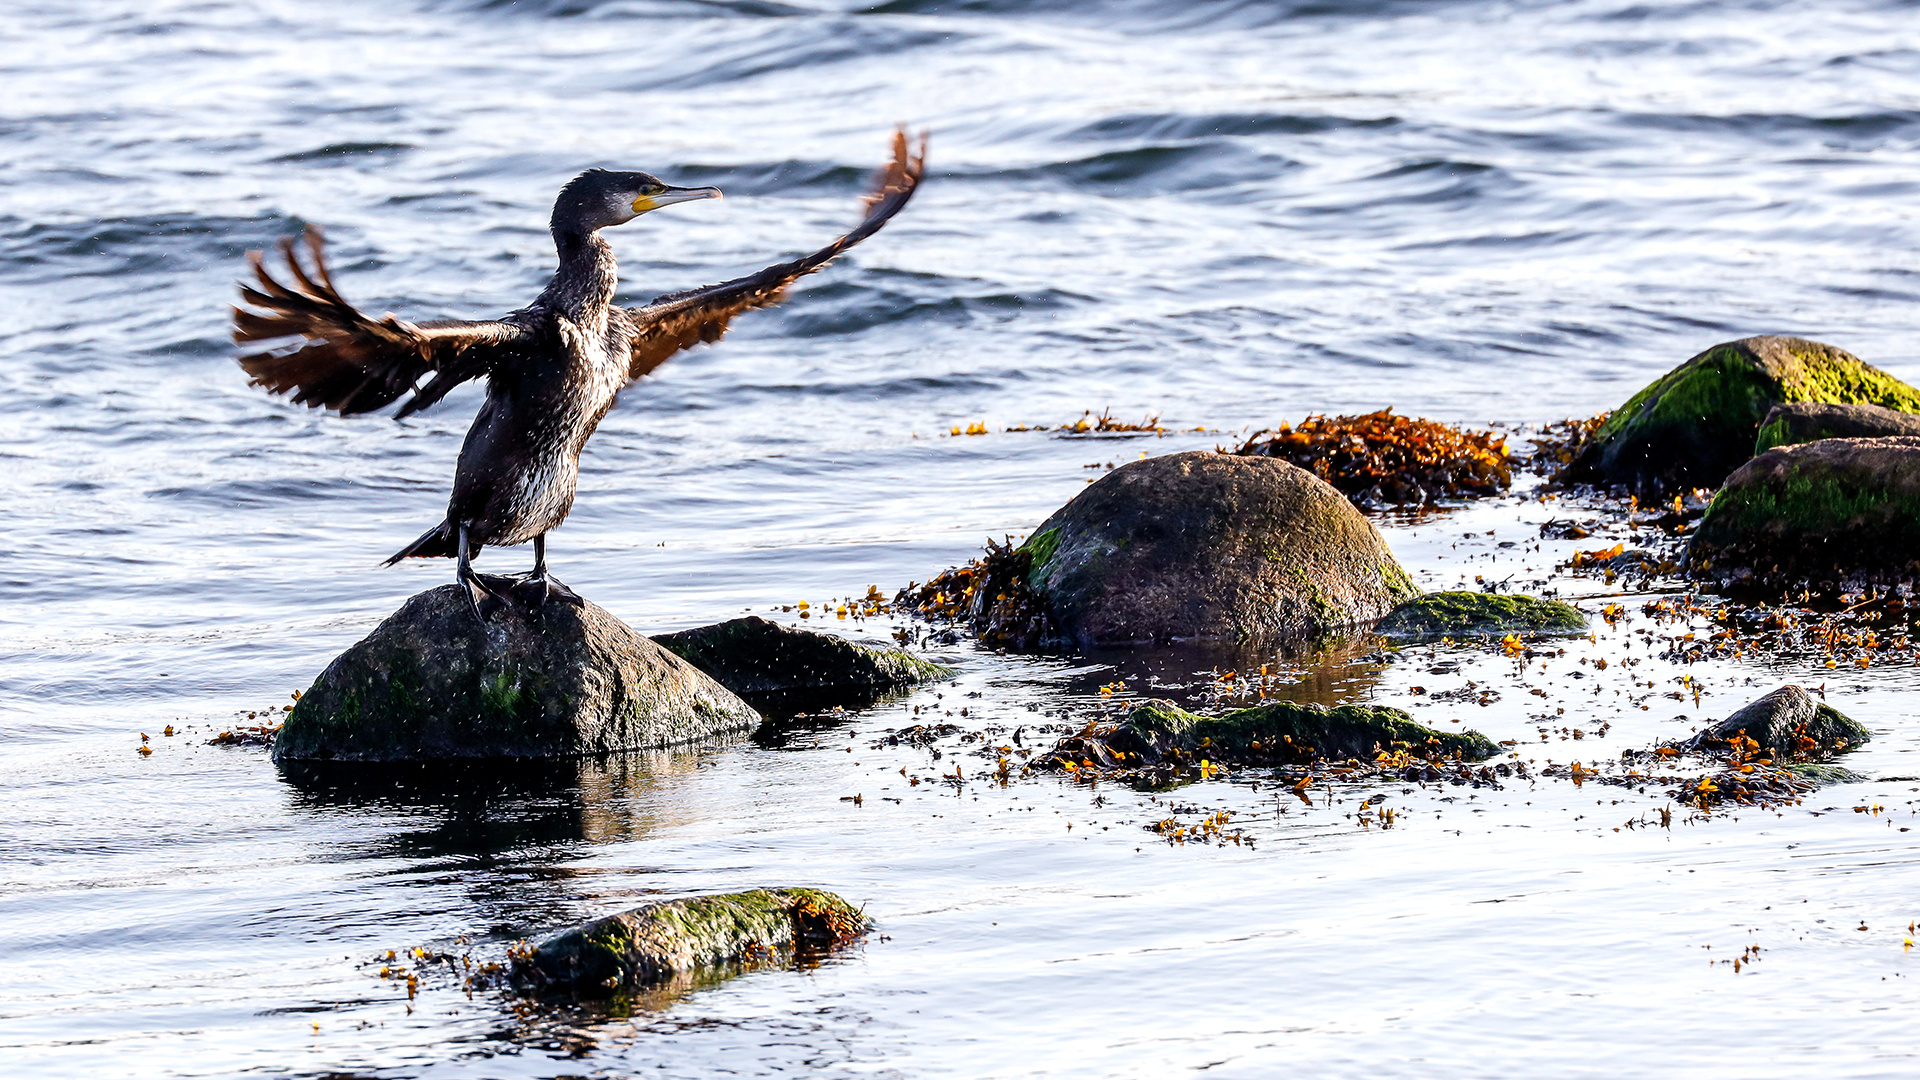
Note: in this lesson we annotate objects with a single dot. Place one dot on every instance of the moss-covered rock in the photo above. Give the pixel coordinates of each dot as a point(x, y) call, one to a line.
point(1485, 615)
point(1698, 422)
point(1803, 422)
point(1788, 725)
point(1277, 733)
point(1834, 511)
point(563, 679)
point(755, 656)
point(1202, 546)
point(634, 949)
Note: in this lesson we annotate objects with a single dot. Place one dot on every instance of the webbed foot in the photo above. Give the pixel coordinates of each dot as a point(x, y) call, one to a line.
point(480, 596)
point(536, 589)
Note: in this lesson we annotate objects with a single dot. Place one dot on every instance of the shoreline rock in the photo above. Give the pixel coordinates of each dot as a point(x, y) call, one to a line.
point(1203, 546)
point(1158, 733)
point(1697, 423)
point(562, 680)
point(758, 658)
point(1830, 512)
point(1788, 724)
point(647, 945)
point(1804, 422)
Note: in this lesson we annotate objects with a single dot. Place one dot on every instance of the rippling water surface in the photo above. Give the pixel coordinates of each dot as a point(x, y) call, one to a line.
point(1223, 213)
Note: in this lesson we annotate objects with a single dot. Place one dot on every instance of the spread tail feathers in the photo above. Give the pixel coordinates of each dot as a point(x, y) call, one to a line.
point(436, 543)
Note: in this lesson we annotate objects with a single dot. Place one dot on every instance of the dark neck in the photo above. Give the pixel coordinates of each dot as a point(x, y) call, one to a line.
point(582, 289)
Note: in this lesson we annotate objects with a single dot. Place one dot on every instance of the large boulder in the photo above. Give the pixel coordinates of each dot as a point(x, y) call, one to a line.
point(1809, 421)
point(1832, 511)
point(753, 656)
point(1479, 615)
point(562, 679)
point(1697, 423)
point(1202, 546)
point(633, 949)
point(1787, 725)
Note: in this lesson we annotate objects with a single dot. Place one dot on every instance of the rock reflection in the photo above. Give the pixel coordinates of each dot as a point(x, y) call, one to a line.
point(485, 809)
point(1343, 671)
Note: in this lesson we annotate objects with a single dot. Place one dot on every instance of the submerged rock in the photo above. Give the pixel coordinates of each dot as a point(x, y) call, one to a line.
point(1803, 422)
point(1788, 725)
point(754, 656)
point(1203, 546)
point(1697, 423)
point(636, 948)
point(1832, 511)
point(1277, 733)
point(563, 679)
point(1473, 614)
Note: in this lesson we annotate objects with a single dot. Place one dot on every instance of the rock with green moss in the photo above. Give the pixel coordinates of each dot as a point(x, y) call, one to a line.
point(1697, 423)
point(1210, 547)
point(1836, 511)
point(754, 656)
point(1788, 725)
point(648, 945)
point(1479, 615)
point(433, 682)
point(1277, 733)
point(1802, 422)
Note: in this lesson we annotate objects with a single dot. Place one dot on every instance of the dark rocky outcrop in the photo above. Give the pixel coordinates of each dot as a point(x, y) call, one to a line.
point(1834, 511)
point(1803, 422)
point(1698, 422)
point(567, 678)
point(1788, 725)
point(1483, 615)
point(634, 949)
point(752, 656)
point(1277, 733)
point(1203, 546)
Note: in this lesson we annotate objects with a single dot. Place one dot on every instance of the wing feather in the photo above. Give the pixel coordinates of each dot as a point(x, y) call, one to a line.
point(345, 360)
point(669, 323)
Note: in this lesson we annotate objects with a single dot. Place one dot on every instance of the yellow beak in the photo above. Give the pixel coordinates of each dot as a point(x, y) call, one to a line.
point(673, 195)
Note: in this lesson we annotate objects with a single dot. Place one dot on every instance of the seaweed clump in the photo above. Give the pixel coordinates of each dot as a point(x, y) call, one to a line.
point(991, 595)
point(1558, 444)
point(1379, 458)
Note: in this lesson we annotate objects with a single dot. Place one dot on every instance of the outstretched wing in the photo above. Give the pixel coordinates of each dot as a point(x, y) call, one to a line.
point(348, 361)
point(675, 321)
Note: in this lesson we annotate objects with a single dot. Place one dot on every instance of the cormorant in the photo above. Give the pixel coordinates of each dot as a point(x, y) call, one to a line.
point(553, 368)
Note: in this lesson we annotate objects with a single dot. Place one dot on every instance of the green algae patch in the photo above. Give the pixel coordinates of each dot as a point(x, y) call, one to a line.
point(1040, 548)
point(1832, 511)
point(1697, 423)
point(1479, 615)
point(1158, 742)
point(648, 945)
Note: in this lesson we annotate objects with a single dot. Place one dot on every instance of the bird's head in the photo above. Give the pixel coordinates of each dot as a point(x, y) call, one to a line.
point(599, 198)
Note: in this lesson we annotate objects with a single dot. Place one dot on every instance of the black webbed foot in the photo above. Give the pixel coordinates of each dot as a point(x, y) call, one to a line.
point(535, 590)
point(482, 595)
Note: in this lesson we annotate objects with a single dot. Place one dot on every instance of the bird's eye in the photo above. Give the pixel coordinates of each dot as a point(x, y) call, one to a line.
point(654, 189)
